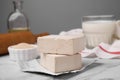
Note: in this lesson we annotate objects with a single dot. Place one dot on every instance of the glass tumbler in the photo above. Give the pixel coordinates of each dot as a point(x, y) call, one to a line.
point(97, 29)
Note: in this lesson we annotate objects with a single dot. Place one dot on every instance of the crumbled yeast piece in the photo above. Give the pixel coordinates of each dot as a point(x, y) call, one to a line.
point(22, 46)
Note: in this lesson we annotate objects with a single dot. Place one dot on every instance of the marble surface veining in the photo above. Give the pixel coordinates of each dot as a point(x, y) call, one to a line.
point(102, 69)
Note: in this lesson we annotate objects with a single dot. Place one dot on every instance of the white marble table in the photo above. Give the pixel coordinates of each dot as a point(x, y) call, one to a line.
point(103, 69)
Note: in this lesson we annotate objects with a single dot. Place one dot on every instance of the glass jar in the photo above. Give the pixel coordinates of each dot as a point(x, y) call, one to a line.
point(97, 29)
point(17, 20)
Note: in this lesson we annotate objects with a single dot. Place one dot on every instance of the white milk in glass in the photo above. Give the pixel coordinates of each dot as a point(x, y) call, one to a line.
point(98, 31)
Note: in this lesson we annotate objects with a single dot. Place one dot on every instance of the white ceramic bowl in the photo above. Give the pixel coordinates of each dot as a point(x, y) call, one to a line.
point(23, 54)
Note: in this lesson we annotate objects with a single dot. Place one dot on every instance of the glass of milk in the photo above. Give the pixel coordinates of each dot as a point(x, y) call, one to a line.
point(97, 29)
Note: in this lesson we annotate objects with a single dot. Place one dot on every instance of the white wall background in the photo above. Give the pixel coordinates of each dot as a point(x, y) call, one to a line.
point(56, 15)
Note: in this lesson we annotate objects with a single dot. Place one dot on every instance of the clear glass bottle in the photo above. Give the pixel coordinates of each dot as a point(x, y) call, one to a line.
point(17, 20)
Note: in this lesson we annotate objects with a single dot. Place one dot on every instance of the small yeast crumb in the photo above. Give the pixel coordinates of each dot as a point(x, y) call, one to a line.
point(22, 46)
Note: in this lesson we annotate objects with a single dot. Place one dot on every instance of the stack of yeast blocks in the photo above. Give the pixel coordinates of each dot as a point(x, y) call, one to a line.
point(60, 53)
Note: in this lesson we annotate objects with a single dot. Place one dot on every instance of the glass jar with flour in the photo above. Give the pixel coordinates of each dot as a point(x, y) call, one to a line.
point(17, 20)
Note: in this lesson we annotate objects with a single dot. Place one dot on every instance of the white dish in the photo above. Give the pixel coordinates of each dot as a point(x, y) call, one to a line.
point(23, 54)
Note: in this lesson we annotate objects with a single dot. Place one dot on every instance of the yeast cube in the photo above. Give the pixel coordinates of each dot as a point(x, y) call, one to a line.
point(61, 63)
point(68, 45)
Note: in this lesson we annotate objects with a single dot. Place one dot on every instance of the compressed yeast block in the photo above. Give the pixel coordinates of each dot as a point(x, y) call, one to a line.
point(61, 63)
point(68, 45)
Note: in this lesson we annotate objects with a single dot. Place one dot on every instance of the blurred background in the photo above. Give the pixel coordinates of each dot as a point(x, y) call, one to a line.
point(54, 16)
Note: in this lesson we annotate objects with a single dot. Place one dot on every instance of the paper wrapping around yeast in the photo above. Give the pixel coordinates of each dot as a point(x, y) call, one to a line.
point(34, 66)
